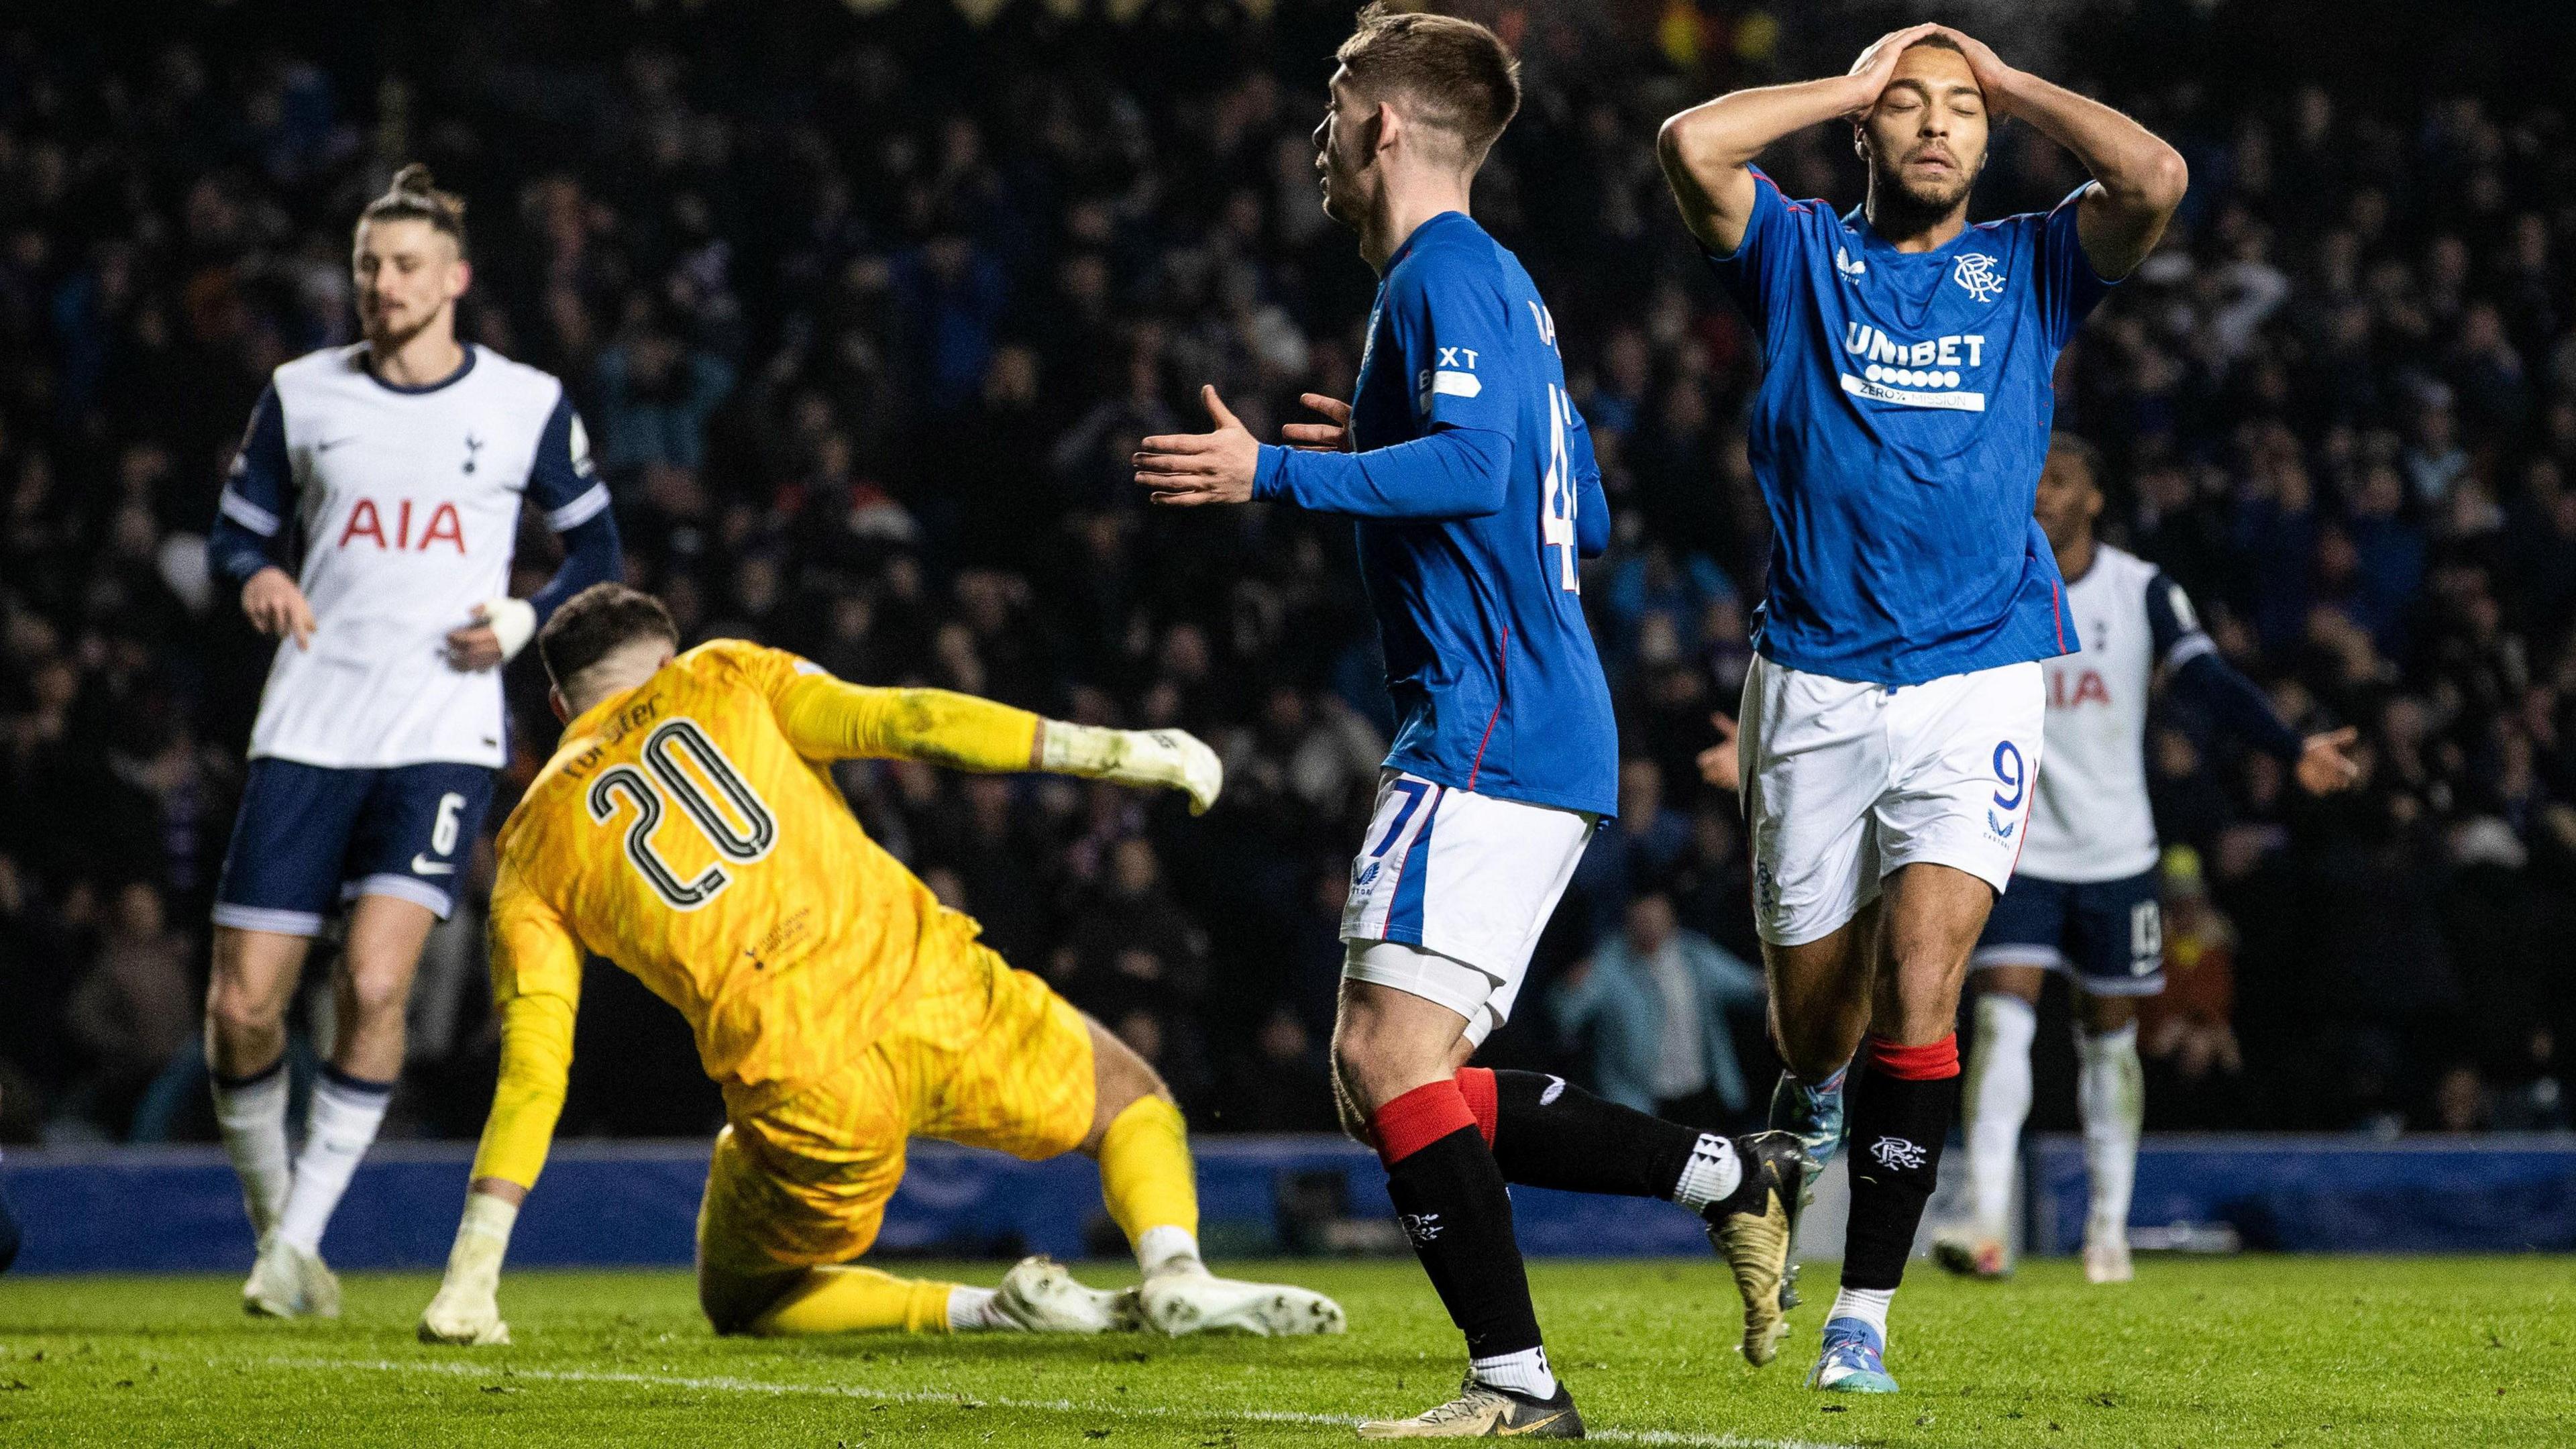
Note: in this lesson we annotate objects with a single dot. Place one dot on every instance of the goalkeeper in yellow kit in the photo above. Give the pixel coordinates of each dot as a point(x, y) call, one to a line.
point(687, 829)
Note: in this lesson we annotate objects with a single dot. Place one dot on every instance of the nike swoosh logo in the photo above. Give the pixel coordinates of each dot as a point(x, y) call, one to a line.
point(1505, 1432)
point(329, 443)
point(423, 865)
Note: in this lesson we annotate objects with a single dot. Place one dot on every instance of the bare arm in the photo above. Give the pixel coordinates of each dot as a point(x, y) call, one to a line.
point(1706, 149)
point(2138, 180)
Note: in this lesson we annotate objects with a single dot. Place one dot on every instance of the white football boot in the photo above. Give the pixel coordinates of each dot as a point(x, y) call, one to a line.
point(288, 1282)
point(2106, 1255)
point(1039, 1296)
point(1187, 1298)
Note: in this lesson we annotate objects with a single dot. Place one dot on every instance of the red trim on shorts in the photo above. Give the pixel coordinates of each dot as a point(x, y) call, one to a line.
point(1419, 1118)
point(1936, 1061)
point(2057, 620)
point(1502, 684)
point(1476, 1084)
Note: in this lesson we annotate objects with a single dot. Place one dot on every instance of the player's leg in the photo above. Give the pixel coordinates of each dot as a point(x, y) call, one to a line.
point(1997, 1091)
point(1150, 1186)
point(2122, 958)
point(281, 875)
point(1814, 760)
point(2111, 1097)
point(1902, 1101)
point(411, 835)
point(1448, 897)
point(1392, 1054)
point(755, 1219)
point(1966, 751)
point(253, 977)
point(797, 1190)
point(370, 985)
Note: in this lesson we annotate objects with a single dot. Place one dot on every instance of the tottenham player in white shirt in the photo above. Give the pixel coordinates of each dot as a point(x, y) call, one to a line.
point(400, 465)
point(2085, 898)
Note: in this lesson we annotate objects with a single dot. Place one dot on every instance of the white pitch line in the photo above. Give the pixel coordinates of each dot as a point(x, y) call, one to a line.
point(731, 1385)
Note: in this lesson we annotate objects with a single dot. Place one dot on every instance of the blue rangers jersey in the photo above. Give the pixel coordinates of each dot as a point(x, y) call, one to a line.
point(1476, 496)
point(1898, 435)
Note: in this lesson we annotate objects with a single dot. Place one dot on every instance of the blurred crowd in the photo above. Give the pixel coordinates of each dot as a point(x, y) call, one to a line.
point(865, 314)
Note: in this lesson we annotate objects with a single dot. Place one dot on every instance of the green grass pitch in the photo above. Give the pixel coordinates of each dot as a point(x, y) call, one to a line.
point(2257, 1351)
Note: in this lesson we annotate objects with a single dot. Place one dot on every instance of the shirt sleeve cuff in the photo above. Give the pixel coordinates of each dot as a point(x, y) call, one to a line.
point(1269, 474)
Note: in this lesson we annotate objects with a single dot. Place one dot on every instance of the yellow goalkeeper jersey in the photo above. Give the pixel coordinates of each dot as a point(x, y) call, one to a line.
point(688, 829)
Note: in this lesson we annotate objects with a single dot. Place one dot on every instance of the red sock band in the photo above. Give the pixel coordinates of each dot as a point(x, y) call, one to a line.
point(1419, 1118)
point(1476, 1084)
point(1928, 1063)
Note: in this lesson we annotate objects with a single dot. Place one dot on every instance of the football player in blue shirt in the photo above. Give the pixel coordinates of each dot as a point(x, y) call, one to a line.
point(1475, 495)
point(1891, 724)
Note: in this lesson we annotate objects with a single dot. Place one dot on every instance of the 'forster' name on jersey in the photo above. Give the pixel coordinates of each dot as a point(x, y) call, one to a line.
point(1898, 435)
point(407, 500)
point(1496, 685)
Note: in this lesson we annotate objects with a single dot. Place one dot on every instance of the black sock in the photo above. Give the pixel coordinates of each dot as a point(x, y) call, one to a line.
point(1551, 1133)
point(1898, 1124)
point(1452, 1202)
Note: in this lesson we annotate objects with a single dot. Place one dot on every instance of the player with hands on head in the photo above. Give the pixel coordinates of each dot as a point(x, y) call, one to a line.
point(1474, 495)
point(687, 829)
point(1892, 718)
point(399, 466)
point(2085, 899)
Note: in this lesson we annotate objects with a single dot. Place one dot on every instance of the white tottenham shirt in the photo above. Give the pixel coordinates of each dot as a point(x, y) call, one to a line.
point(2092, 821)
point(408, 502)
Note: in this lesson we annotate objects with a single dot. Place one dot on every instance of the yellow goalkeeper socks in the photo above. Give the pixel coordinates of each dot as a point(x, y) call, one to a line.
point(1148, 1182)
point(856, 1300)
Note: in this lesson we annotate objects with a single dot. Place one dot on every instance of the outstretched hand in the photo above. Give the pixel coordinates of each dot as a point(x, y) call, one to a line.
point(2326, 763)
point(1188, 469)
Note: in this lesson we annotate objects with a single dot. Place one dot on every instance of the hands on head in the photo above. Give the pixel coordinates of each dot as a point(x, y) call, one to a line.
point(1877, 65)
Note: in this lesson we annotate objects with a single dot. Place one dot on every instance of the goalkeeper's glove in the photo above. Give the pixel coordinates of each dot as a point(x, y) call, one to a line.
point(1175, 758)
point(467, 1309)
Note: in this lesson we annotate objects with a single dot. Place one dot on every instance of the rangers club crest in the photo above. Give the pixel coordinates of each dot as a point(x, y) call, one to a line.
point(1976, 272)
point(1895, 1152)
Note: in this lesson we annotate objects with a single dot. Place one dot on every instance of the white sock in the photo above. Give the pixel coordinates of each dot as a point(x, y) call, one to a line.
point(1996, 1104)
point(1869, 1305)
point(252, 1115)
point(2111, 1093)
point(1525, 1373)
point(970, 1309)
point(1168, 1249)
point(1713, 1173)
point(340, 1124)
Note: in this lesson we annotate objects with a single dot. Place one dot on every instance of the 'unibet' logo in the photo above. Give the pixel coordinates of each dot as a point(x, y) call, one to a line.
point(1976, 272)
point(1896, 1152)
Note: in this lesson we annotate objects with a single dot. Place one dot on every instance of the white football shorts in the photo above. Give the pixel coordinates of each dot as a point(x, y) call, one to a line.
point(1845, 782)
point(1450, 892)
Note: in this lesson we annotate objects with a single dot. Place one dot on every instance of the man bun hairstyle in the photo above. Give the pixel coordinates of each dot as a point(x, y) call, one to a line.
point(1453, 74)
point(414, 196)
point(596, 623)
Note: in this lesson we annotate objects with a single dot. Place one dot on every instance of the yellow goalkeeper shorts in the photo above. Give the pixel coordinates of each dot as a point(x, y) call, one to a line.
point(983, 1054)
